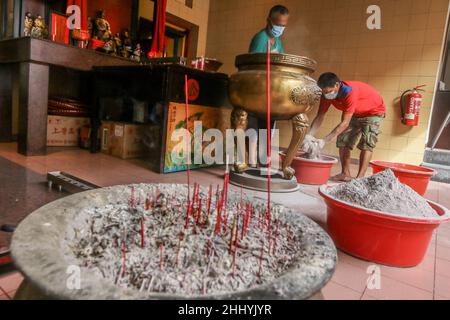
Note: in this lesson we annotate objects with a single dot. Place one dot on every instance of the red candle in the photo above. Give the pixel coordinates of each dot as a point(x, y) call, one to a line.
point(147, 204)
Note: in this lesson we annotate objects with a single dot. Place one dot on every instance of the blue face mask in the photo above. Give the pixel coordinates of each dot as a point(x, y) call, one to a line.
point(277, 31)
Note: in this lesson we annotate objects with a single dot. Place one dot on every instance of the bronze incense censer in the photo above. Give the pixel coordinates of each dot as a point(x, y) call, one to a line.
point(293, 94)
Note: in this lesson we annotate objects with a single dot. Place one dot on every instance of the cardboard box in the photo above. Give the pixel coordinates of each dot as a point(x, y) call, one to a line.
point(64, 131)
point(123, 140)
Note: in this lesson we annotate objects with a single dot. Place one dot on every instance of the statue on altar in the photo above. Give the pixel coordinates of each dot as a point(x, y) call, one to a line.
point(28, 24)
point(137, 53)
point(127, 46)
point(102, 28)
point(39, 29)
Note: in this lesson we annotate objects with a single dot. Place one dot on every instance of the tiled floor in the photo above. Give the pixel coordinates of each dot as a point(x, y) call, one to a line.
point(430, 280)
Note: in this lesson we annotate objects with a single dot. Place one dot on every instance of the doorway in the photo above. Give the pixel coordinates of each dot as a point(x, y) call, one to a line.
point(439, 134)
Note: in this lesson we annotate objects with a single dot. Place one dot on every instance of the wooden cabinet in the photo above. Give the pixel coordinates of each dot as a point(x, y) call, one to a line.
point(158, 87)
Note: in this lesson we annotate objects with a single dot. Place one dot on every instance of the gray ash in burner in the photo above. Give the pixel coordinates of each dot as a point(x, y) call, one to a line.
point(179, 260)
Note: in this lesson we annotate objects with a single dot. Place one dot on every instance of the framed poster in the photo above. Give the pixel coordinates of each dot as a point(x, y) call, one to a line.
point(176, 119)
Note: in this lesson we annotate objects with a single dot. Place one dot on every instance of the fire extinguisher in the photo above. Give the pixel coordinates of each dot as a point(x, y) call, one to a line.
point(410, 104)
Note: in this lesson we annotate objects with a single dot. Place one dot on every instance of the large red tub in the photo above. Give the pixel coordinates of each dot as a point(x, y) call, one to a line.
point(377, 237)
point(312, 172)
point(416, 177)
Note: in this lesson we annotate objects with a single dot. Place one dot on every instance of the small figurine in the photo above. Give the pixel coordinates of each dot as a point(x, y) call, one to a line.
point(126, 39)
point(28, 25)
point(117, 44)
point(137, 53)
point(109, 47)
point(102, 28)
point(90, 27)
point(126, 50)
point(39, 29)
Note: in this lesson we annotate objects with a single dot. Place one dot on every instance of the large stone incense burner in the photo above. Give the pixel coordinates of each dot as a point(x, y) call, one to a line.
point(293, 94)
point(138, 242)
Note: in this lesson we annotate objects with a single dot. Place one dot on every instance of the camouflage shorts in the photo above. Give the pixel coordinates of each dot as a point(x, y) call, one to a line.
point(366, 130)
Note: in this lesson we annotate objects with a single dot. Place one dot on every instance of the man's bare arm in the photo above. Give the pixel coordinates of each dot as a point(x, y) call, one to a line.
point(317, 123)
point(345, 123)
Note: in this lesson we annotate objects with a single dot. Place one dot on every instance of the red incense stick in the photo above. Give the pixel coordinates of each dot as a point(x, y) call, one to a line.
point(142, 233)
point(218, 219)
point(217, 196)
point(209, 200)
point(199, 212)
point(269, 143)
point(261, 260)
point(132, 198)
point(225, 192)
point(233, 230)
point(186, 93)
point(180, 237)
point(236, 240)
point(161, 251)
point(124, 257)
point(246, 217)
point(276, 236)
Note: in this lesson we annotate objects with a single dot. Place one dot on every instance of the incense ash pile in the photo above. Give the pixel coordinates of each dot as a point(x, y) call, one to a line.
point(384, 192)
point(153, 239)
point(311, 148)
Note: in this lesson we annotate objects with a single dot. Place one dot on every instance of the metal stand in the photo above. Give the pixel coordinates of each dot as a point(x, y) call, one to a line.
point(69, 183)
point(254, 179)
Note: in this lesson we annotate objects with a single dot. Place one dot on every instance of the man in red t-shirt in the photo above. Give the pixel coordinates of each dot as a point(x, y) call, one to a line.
point(362, 112)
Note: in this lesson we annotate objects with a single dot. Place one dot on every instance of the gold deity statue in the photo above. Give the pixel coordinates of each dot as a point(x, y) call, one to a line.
point(102, 28)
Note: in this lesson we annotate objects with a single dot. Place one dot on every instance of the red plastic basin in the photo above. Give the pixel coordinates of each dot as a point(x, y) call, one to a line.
point(312, 172)
point(377, 237)
point(416, 177)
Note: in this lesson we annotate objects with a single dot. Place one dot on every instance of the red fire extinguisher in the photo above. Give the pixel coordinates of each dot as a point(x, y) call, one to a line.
point(410, 104)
